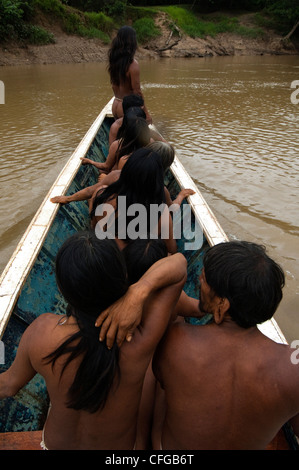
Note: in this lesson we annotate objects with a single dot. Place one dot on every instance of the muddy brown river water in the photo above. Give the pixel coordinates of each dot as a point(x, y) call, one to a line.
point(234, 122)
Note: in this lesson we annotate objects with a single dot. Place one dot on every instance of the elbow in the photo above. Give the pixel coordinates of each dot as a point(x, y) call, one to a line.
point(7, 387)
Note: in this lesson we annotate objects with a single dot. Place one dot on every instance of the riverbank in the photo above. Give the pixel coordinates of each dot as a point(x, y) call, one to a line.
point(75, 49)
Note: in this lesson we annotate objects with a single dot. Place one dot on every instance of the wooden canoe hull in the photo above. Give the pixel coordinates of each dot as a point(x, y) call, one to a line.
point(28, 286)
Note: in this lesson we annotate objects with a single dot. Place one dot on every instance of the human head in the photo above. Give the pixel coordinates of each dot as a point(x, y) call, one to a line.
point(126, 40)
point(121, 54)
point(143, 175)
point(131, 101)
point(166, 152)
point(141, 181)
point(134, 111)
point(91, 275)
point(141, 254)
point(135, 134)
point(130, 114)
point(243, 273)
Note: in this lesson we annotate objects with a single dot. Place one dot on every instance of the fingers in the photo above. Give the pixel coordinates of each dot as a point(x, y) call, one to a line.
point(58, 199)
point(108, 329)
point(101, 318)
point(111, 335)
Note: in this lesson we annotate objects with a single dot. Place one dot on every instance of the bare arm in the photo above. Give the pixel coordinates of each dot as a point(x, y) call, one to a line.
point(180, 197)
point(188, 306)
point(165, 227)
point(120, 320)
point(81, 195)
point(21, 371)
point(98, 165)
point(134, 73)
point(114, 130)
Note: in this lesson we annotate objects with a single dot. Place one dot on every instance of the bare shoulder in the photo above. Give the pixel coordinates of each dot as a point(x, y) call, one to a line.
point(42, 324)
point(114, 146)
point(134, 66)
point(177, 335)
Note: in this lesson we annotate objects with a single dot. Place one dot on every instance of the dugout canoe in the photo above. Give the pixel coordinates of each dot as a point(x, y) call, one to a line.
point(28, 286)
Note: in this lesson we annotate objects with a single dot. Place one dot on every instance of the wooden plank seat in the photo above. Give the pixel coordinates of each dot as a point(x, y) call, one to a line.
point(25, 440)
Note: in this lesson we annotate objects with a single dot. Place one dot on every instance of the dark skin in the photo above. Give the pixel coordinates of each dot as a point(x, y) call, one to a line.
point(130, 86)
point(244, 389)
point(114, 427)
point(225, 387)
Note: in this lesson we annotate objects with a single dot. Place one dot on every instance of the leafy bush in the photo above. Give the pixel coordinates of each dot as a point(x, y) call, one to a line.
point(212, 25)
point(55, 7)
point(116, 9)
point(145, 29)
point(99, 21)
point(136, 13)
point(36, 35)
point(13, 14)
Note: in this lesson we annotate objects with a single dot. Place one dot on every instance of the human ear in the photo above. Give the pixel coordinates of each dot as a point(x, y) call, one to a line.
point(221, 310)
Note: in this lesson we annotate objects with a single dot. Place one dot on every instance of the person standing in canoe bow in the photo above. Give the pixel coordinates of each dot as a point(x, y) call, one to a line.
point(124, 70)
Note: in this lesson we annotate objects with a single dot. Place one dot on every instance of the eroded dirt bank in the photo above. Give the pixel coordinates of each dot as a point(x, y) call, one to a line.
point(68, 49)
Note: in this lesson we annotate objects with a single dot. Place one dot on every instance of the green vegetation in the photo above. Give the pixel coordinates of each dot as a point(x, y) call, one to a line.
point(17, 19)
point(99, 18)
point(211, 25)
point(14, 26)
point(279, 15)
point(145, 29)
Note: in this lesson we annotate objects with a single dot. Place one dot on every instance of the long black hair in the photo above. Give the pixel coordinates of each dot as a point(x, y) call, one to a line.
point(121, 54)
point(130, 113)
point(91, 274)
point(141, 181)
point(133, 134)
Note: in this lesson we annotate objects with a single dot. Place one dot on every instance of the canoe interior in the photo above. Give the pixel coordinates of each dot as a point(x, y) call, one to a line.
point(27, 410)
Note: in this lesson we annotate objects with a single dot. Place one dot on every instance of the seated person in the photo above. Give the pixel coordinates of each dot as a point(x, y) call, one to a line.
point(129, 101)
point(136, 134)
point(140, 182)
point(166, 152)
point(95, 392)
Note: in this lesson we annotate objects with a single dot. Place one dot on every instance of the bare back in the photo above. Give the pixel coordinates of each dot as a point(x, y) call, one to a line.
point(114, 427)
point(131, 85)
point(225, 388)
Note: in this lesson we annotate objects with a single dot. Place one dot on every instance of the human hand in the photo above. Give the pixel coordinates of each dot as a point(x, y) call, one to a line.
point(186, 192)
point(85, 161)
point(59, 199)
point(119, 321)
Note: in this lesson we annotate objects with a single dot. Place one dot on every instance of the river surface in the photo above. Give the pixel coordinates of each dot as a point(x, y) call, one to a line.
point(230, 119)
